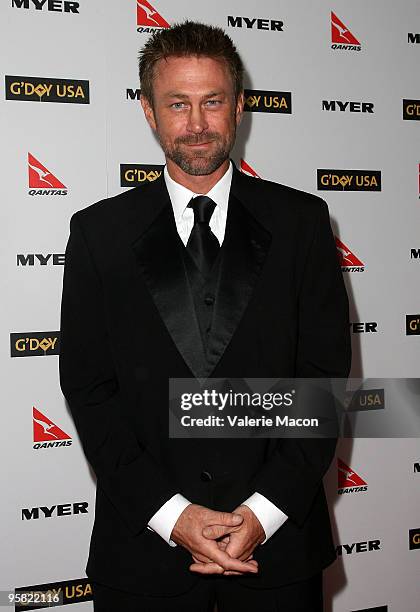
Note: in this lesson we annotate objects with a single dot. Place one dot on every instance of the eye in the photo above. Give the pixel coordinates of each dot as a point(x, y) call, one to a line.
point(213, 102)
point(177, 105)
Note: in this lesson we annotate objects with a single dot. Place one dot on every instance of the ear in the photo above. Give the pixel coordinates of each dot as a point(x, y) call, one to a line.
point(239, 108)
point(148, 112)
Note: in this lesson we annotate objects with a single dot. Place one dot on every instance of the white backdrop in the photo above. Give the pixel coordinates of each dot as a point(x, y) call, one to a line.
point(83, 145)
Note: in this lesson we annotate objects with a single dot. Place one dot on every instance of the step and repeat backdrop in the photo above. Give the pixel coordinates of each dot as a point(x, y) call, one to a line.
point(333, 108)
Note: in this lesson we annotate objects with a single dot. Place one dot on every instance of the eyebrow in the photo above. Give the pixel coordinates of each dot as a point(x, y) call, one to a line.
point(174, 94)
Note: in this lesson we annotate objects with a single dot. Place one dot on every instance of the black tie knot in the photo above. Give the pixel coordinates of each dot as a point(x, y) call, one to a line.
point(203, 208)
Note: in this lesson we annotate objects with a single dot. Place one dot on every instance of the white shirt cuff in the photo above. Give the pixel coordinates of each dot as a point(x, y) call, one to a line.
point(163, 521)
point(269, 515)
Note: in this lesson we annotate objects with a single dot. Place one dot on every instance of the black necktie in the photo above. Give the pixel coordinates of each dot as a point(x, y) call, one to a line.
point(202, 244)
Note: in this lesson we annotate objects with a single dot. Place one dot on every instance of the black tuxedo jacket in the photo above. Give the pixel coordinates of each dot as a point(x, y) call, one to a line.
point(128, 324)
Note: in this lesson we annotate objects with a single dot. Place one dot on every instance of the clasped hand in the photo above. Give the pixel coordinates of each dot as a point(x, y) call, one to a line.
point(219, 542)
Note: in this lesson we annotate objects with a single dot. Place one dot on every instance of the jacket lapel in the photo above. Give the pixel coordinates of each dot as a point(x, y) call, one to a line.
point(246, 244)
point(158, 252)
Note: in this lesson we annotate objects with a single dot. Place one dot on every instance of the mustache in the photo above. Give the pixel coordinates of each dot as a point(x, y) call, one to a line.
point(197, 139)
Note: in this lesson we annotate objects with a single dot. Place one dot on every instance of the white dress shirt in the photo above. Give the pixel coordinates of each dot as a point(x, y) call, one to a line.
point(269, 515)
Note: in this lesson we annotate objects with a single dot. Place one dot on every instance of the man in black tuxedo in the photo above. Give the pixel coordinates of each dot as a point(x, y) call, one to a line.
point(203, 273)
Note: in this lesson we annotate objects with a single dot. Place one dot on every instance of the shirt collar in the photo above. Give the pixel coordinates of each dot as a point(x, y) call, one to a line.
point(180, 195)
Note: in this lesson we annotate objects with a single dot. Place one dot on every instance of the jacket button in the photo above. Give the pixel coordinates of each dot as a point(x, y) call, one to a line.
point(206, 476)
point(209, 300)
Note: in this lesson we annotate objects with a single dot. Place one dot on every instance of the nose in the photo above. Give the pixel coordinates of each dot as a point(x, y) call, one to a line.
point(197, 122)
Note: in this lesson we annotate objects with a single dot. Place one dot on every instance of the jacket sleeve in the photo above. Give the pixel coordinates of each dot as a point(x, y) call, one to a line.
point(291, 478)
point(127, 473)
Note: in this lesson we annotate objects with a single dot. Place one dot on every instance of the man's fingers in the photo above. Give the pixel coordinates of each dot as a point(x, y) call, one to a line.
point(206, 568)
point(239, 547)
point(228, 563)
point(204, 559)
point(241, 552)
point(222, 544)
point(215, 568)
point(201, 559)
point(229, 519)
point(214, 532)
point(232, 573)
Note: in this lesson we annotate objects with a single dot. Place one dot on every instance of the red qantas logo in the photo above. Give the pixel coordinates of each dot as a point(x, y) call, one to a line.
point(341, 37)
point(347, 479)
point(45, 429)
point(348, 260)
point(40, 177)
point(148, 17)
point(246, 169)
